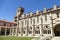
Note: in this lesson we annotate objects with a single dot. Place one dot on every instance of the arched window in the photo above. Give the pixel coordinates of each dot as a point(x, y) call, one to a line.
point(47, 30)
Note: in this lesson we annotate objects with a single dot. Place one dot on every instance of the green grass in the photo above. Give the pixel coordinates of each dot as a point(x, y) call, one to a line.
point(15, 38)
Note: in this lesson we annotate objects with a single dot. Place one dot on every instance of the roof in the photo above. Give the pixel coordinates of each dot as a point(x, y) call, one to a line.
point(41, 12)
point(7, 21)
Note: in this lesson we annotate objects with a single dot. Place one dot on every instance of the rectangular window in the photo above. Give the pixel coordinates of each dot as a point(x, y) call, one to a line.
point(37, 32)
point(30, 32)
point(31, 21)
point(49, 31)
point(45, 17)
point(4, 24)
point(27, 22)
point(37, 19)
point(45, 31)
point(14, 24)
point(22, 23)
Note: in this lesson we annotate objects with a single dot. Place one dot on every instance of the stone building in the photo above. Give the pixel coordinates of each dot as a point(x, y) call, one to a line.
point(7, 28)
point(40, 23)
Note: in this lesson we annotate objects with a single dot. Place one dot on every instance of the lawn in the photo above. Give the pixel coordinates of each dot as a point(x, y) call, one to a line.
point(15, 38)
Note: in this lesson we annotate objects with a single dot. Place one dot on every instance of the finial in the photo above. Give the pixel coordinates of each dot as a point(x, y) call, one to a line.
point(45, 9)
point(55, 6)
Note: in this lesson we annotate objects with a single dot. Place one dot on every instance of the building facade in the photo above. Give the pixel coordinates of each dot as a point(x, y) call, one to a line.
point(7, 28)
point(40, 23)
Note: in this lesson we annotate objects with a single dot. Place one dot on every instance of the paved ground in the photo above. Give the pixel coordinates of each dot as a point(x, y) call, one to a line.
point(56, 38)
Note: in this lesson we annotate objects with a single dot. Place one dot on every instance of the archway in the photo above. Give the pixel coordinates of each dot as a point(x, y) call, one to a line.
point(57, 30)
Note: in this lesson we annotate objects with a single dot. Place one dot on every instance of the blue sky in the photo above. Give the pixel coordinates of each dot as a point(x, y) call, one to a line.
point(8, 7)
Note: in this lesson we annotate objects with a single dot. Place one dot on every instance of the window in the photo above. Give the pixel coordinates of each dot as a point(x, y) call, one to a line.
point(10, 24)
point(49, 31)
point(31, 20)
point(45, 17)
point(37, 19)
point(22, 23)
point(4, 24)
point(30, 27)
point(37, 32)
point(45, 31)
point(30, 32)
point(57, 15)
point(28, 21)
point(15, 24)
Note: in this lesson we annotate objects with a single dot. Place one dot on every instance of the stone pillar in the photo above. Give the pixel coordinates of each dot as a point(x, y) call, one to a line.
point(52, 32)
point(41, 30)
point(41, 27)
point(26, 31)
point(5, 31)
point(16, 31)
point(33, 30)
point(21, 31)
point(10, 32)
point(13, 30)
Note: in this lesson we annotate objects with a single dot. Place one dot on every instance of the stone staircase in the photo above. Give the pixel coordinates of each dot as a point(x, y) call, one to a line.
point(43, 38)
point(56, 38)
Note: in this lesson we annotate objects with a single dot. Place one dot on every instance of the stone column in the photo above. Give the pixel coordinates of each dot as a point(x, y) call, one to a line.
point(41, 30)
point(5, 31)
point(33, 30)
point(41, 27)
point(16, 31)
point(13, 30)
point(26, 31)
point(52, 32)
point(10, 32)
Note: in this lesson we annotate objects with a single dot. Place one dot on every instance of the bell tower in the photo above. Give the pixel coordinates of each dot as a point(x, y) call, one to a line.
point(20, 11)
